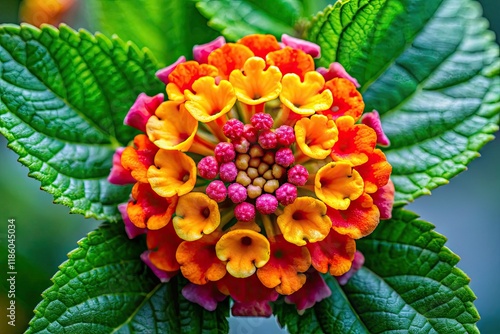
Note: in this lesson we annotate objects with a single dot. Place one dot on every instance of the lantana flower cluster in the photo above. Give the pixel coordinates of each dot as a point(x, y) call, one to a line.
point(256, 175)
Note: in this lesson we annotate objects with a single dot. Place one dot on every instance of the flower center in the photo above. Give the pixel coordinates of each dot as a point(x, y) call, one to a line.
point(205, 212)
point(298, 215)
point(246, 241)
point(256, 169)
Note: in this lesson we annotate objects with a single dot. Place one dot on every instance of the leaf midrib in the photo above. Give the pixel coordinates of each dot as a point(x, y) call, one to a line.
point(139, 307)
point(400, 296)
point(344, 296)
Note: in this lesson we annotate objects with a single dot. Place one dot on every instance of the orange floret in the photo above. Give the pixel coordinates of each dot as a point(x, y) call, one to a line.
point(260, 44)
point(229, 57)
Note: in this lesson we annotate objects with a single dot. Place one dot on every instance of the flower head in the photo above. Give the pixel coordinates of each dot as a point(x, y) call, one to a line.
point(255, 175)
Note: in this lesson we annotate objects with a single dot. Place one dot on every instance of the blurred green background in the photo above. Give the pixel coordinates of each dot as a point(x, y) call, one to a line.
point(467, 211)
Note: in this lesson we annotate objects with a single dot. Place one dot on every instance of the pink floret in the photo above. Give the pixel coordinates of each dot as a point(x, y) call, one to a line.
point(250, 133)
point(228, 171)
point(208, 168)
point(163, 275)
point(131, 230)
point(224, 152)
point(237, 193)
point(118, 174)
point(296, 43)
point(285, 135)
point(216, 190)
point(357, 263)
point(241, 145)
point(284, 157)
point(201, 52)
point(372, 119)
point(336, 70)
point(286, 194)
point(165, 72)
point(143, 108)
point(233, 129)
point(244, 212)
point(298, 175)
point(268, 139)
point(206, 295)
point(262, 121)
point(266, 204)
point(313, 291)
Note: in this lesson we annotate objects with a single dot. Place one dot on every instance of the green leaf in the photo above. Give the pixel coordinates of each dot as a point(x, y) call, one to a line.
point(431, 70)
point(236, 19)
point(104, 287)
point(64, 95)
point(409, 283)
point(169, 28)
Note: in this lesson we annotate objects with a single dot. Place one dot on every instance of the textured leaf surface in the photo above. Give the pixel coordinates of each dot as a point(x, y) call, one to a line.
point(169, 28)
point(104, 287)
point(409, 284)
point(63, 97)
point(431, 69)
point(235, 19)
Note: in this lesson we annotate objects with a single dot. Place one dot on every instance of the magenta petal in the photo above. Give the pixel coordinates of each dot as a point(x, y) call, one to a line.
point(131, 230)
point(118, 174)
point(207, 295)
point(296, 43)
point(383, 198)
point(336, 70)
point(357, 263)
point(163, 275)
point(252, 309)
point(313, 291)
point(142, 109)
point(164, 72)
point(201, 52)
point(372, 119)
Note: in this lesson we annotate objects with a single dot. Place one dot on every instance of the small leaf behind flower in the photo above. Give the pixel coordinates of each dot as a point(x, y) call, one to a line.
point(236, 19)
point(409, 283)
point(169, 28)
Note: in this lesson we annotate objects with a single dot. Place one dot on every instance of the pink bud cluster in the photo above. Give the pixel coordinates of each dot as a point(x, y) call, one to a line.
point(255, 171)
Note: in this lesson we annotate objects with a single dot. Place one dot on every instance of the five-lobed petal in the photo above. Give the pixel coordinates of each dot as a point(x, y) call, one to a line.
point(172, 127)
point(304, 221)
point(256, 84)
point(173, 173)
point(183, 77)
point(348, 100)
point(356, 141)
point(211, 100)
point(148, 209)
point(286, 267)
point(337, 184)
point(359, 220)
point(229, 57)
point(198, 260)
point(244, 250)
point(334, 254)
point(196, 215)
point(316, 136)
point(305, 97)
point(138, 159)
point(162, 245)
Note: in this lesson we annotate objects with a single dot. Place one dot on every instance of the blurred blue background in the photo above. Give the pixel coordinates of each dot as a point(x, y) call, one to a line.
point(467, 211)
